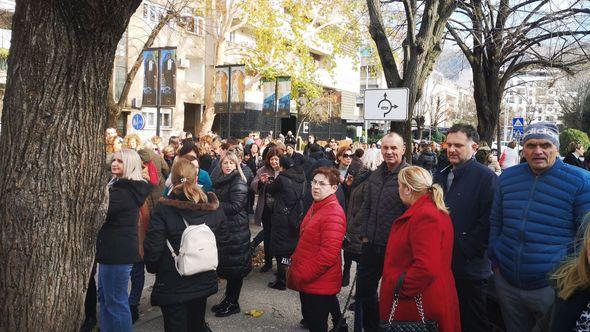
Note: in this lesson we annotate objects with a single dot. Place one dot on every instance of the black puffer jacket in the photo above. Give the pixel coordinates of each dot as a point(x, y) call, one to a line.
point(354, 220)
point(382, 204)
point(234, 233)
point(287, 190)
point(167, 224)
point(117, 239)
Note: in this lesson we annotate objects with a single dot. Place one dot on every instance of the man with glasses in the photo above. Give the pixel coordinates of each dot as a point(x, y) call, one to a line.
point(537, 211)
point(382, 205)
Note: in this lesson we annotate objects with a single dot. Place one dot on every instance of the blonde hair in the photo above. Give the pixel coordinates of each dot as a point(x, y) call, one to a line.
point(110, 144)
point(574, 273)
point(236, 160)
point(128, 138)
point(204, 148)
point(132, 165)
point(419, 181)
point(184, 180)
point(168, 148)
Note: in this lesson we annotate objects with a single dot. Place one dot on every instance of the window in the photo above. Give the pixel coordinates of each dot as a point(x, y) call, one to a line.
point(149, 114)
point(194, 24)
point(152, 14)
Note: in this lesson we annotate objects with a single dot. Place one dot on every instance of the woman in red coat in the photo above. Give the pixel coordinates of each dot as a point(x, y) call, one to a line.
point(316, 267)
point(420, 246)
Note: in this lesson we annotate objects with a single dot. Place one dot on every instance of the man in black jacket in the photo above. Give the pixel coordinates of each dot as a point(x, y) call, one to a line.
point(380, 208)
point(469, 191)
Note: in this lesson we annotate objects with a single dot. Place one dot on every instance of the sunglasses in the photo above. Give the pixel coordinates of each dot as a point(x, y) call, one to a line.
point(347, 155)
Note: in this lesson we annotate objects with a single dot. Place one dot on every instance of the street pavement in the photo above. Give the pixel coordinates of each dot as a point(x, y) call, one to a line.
point(281, 308)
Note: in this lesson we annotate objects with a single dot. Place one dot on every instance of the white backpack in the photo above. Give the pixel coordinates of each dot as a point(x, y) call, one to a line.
point(198, 250)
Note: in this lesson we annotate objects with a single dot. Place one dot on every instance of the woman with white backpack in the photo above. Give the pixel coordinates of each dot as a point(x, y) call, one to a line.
point(185, 275)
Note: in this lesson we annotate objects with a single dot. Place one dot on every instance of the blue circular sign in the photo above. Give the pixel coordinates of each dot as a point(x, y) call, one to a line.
point(138, 122)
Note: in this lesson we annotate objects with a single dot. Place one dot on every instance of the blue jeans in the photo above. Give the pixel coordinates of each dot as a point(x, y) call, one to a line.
point(137, 282)
point(113, 298)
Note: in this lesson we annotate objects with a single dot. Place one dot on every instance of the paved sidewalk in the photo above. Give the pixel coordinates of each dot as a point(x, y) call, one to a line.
point(281, 308)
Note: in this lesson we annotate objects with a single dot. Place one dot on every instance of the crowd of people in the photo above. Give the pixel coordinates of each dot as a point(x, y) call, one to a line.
point(432, 237)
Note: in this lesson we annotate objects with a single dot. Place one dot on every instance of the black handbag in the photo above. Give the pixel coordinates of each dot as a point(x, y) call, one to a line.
point(422, 325)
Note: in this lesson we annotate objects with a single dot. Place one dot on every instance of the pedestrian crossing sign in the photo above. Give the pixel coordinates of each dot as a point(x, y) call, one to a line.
point(517, 122)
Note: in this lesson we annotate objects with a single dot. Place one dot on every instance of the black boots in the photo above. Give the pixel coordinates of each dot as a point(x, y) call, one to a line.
point(280, 283)
point(227, 310)
point(221, 304)
point(343, 326)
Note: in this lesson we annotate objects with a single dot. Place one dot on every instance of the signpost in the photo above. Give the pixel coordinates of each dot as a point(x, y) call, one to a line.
point(387, 104)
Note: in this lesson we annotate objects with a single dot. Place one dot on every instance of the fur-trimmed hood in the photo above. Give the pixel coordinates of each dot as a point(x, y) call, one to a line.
point(211, 205)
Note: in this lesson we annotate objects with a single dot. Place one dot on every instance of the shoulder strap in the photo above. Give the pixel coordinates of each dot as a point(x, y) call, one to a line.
point(170, 245)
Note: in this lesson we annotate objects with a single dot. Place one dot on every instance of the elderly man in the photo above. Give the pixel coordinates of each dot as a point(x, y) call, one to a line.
point(537, 210)
point(380, 208)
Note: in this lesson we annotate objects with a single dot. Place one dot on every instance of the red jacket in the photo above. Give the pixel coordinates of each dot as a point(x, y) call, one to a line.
point(316, 266)
point(421, 244)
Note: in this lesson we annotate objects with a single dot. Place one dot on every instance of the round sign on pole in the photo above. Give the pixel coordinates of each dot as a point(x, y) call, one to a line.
point(138, 122)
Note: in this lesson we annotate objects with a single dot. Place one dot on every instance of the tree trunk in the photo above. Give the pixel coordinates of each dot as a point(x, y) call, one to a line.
point(487, 93)
point(52, 177)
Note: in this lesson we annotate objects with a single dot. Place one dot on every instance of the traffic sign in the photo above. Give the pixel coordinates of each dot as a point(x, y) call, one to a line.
point(387, 104)
point(137, 121)
point(517, 128)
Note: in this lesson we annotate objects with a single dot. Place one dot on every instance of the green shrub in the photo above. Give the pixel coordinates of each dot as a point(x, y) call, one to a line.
point(569, 135)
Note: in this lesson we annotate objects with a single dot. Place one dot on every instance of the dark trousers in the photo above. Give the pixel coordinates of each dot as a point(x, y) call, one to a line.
point(233, 289)
point(472, 296)
point(189, 316)
point(369, 271)
point(281, 269)
point(349, 257)
point(91, 298)
point(264, 235)
point(315, 310)
point(137, 282)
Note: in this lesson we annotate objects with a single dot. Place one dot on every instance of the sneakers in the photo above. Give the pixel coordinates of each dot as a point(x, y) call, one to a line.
point(228, 310)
